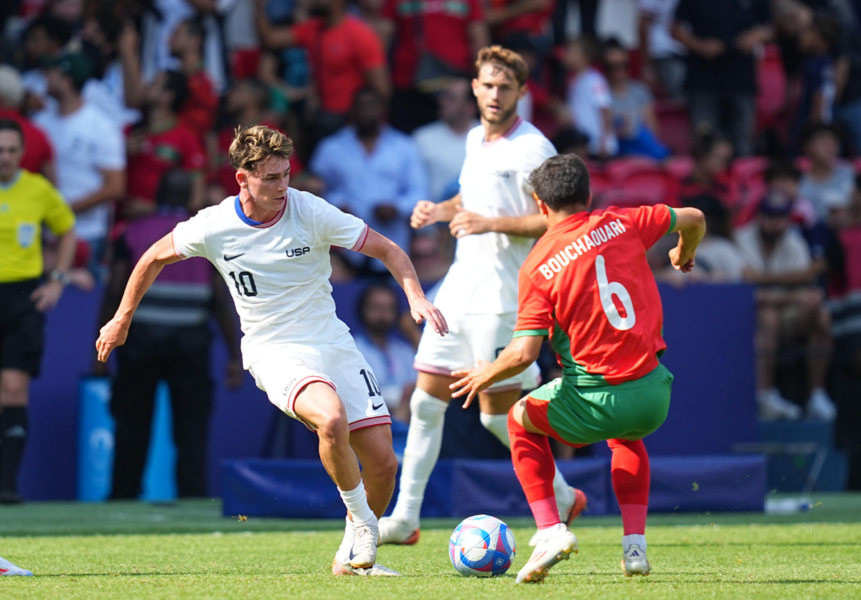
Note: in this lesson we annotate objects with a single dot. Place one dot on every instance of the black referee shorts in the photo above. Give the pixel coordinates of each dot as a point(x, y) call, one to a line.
point(22, 328)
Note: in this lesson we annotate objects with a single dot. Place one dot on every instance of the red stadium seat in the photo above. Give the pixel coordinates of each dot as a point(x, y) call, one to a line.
point(652, 188)
point(601, 185)
point(627, 199)
point(622, 168)
point(679, 167)
point(745, 169)
point(675, 125)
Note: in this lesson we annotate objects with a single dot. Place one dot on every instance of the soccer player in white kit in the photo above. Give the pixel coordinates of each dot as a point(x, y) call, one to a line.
point(271, 245)
point(495, 220)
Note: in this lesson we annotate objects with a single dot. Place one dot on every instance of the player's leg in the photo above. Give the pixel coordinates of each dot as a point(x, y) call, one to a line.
point(14, 396)
point(630, 475)
point(7, 568)
point(817, 326)
point(768, 326)
point(319, 405)
point(424, 440)
point(534, 467)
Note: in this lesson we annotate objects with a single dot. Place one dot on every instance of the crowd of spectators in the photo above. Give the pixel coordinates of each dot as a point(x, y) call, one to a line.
point(748, 109)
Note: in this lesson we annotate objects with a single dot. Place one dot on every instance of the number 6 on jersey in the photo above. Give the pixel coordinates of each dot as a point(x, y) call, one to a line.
point(607, 289)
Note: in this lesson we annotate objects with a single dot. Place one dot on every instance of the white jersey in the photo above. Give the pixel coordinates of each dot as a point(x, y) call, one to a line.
point(493, 183)
point(278, 271)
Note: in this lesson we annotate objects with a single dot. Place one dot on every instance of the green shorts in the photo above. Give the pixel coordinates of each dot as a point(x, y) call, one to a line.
point(585, 415)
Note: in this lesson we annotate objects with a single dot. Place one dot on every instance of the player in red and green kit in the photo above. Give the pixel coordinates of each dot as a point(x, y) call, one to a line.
point(588, 286)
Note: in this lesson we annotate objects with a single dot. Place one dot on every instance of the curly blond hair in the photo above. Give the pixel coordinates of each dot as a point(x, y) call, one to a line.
point(505, 59)
point(252, 146)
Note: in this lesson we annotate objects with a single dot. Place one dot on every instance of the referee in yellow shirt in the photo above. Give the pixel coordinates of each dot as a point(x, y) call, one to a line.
point(27, 200)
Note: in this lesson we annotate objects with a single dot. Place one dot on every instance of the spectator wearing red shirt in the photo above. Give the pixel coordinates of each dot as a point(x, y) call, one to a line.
point(38, 154)
point(186, 44)
point(345, 55)
point(432, 43)
point(162, 143)
point(509, 17)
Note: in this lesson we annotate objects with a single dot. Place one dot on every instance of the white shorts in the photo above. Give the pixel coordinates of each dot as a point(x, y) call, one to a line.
point(286, 370)
point(472, 338)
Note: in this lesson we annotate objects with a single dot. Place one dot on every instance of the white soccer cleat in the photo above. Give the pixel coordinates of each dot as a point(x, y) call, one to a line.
point(556, 544)
point(364, 552)
point(820, 407)
point(8, 569)
point(567, 512)
point(635, 562)
point(395, 531)
point(378, 570)
point(774, 407)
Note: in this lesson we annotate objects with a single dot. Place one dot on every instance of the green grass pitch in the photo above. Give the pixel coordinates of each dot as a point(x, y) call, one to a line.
point(187, 550)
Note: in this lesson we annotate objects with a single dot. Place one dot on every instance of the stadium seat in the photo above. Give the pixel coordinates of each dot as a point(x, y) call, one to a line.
point(771, 82)
point(748, 168)
point(621, 169)
point(629, 198)
point(679, 167)
point(675, 126)
point(653, 188)
point(601, 185)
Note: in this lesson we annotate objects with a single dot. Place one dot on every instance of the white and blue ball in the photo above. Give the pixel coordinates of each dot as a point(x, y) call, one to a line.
point(481, 546)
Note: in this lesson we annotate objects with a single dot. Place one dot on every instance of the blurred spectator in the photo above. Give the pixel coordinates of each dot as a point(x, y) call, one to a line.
point(718, 255)
point(712, 154)
point(571, 141)
point(431, 253)
point(371, 12)
point(390, 358)
point(159, 144)
point(789, 308)
point(721, 72)
point(633, 107)
point(171, 340)
point(433, 42)
point(38, 155)
point(186, 44)
point(91, 159)
point(43, 40)
point(104, 35)
point(513, 17)
point(588, 98)
point(27, 202)
point(662, 58)
point(442, 143)
point(818, 80)
point(344, 53)
point(162, 19)
point(828, 183)
point(372, 170)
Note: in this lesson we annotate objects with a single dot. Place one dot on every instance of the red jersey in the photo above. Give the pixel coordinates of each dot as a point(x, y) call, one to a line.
point(533, 23)
point(161, 152)
point(587, 284)
point(339, 57)
point(198, 112)
point(37, 148)
point(443, 32)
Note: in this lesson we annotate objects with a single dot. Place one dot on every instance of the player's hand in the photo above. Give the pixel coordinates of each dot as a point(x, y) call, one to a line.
point(424, 214)
point(47, 295)
point(468, 223)
point(471, 382)
point(112, 335)
point(710, 48)
point(421, 310)
point(233, 374)
point(684, 263)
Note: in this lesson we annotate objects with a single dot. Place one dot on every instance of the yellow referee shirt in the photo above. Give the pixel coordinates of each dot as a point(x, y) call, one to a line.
point(25, 203)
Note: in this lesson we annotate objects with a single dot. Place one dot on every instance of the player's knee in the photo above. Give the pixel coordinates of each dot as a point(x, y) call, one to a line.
point(426, 407)
point(13, 391)
point(333, 427)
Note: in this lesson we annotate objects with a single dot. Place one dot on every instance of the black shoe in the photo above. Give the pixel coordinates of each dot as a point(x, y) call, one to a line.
point(10, 498)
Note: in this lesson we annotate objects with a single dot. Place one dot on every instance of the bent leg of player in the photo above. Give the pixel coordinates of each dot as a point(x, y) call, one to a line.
point(630, 474)
point(533, 465)
point(7, 568)
point(424, 440)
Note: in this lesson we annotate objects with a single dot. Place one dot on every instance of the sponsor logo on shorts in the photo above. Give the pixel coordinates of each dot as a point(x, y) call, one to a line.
point(289, 386)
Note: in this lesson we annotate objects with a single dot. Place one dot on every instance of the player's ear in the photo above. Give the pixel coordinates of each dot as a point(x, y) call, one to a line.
point(242, 178)
point(474, 86)
point(541, 206)
point(523, 89)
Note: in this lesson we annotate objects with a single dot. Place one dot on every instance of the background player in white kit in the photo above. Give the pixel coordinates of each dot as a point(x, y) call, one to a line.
point(495, 220)
point(271, 244)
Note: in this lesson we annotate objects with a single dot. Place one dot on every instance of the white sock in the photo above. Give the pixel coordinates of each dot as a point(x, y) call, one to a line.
point(634, 538)
point(420, 454)
point(357, 504)
point(343, 553)
point(498, 426)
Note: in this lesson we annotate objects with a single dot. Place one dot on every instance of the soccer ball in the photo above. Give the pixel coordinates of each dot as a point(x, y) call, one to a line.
point(482, 546)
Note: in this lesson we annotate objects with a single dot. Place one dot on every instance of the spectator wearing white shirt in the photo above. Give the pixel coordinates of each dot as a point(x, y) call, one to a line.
point(789, 307)
point(588, 99)
point(662, 57)
point(90, 151)
point(828, 184)
point(43, 40)
point(442, 143)
point(390, 357)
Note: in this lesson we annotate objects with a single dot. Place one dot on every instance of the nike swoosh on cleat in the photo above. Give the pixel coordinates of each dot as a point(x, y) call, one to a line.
point(229, 258)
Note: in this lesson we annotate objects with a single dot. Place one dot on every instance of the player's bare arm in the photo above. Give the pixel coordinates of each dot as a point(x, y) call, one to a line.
point(427, 213)
point(517, 356)
point(470, 223)
point(114, 333)
point(691, 227)
point(271, 36)
point(399, 265)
